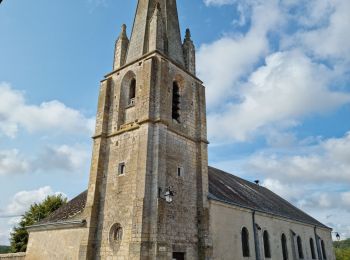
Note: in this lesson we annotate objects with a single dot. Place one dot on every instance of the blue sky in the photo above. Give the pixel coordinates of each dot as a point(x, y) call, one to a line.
point(278, 96)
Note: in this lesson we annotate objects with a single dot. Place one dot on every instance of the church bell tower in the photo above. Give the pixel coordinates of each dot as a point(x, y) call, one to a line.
point(148, 187)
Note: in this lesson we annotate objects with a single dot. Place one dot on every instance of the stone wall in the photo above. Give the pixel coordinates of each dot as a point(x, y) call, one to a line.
point(226, 223)
point(17, 256)
point(54, 244)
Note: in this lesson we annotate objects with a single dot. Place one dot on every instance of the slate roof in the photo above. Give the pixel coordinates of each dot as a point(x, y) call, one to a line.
point(231, 189)
point(67, 211)
point(223, 187)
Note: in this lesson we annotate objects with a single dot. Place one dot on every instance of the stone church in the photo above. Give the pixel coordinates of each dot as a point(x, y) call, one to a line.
point(151, 193)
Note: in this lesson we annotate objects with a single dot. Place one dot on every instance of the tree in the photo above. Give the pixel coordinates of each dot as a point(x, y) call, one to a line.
point(36, 213)
point(342, 249)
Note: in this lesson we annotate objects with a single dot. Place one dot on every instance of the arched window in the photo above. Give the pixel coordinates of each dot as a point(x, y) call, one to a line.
point(323, 250)
point(176, 101)
point(245, 242)
point(312, 248)
point(284, 247)
point(266, 244)
point(118, 234)
point(300, 248)
point(132, 92)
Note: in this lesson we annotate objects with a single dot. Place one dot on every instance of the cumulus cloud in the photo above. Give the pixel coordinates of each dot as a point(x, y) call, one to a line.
point(51, 116)
point(306, 60)
point(331, 40)
point(50, 159)
point(11, 162)
point(328, 160)
point(21, 201)
point(288, 87)
point(222, 63)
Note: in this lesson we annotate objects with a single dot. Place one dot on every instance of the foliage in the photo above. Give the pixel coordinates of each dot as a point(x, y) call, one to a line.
point(36, 213)
point(342, 249)
point(5, 249)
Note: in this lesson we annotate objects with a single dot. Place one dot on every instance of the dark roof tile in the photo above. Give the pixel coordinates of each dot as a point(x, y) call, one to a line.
point(231, 189)
point(67, 211)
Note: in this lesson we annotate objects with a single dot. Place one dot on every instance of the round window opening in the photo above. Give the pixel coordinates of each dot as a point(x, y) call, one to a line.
point(116, 236)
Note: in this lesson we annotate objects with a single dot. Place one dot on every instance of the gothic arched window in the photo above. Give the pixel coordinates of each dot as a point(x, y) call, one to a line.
point(312, 248)
point(245, 242)
point(266, 244)
point(300, 248)
point(116, 236)
point(132, 92)
point(323, 250)
point(176, 102)
point(284, 247)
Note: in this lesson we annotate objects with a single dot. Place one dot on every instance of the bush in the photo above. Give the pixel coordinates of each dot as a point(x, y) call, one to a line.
point(36, 213)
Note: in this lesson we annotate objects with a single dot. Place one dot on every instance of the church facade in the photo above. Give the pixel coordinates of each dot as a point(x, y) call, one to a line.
point(151, 193)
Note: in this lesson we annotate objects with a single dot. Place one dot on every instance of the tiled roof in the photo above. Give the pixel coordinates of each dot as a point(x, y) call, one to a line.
point(67, 211)
point(224, 187)
point(231, 189)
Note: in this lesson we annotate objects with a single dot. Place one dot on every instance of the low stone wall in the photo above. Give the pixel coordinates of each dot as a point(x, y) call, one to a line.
point(17, 256)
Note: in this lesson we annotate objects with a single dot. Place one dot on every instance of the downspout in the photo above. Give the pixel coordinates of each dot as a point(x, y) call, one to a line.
point(318, 245)
point(256, 239)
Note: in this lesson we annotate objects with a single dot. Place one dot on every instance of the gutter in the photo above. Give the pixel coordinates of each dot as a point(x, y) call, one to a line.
point(256, 238)
point(57, 225)
point(317, 240)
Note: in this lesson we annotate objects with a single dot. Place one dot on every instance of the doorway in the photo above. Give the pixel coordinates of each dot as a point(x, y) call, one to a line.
point(178, 256)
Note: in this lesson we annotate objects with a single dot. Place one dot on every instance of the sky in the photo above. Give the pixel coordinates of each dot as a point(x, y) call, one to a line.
point(277, 80)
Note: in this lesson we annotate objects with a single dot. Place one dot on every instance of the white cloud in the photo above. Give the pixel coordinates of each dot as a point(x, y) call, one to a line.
point(53, 116)
point(11, 162)
point(23, 199)
point(65, 158)
point(243, 103)
point(278, 94)
point(333, 39)
point(221, 64)
point(329, 160)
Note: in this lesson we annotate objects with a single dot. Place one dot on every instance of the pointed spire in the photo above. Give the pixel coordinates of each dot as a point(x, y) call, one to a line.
point(156, 31)
point(189, 51)
point(121, 48)
point(156, 26)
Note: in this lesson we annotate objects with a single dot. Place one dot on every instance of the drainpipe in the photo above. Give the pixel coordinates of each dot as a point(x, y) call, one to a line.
point(256, 238)
point(318, 245)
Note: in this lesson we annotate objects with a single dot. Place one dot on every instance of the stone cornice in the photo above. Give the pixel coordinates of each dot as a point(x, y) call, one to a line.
point(57, 225)
point(137, 125)
point(147, 56)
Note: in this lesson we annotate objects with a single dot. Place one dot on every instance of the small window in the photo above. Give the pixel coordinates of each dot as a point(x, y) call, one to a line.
point(178, 256)
point(245, 242)
point(284, 247)
point(312, 248)
point(121, 169)
point(266, 244)
point(300, 248)
point(118, 234)
point(176, 102)
point(180, 172)
point(323, 250)
point(132, 92)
